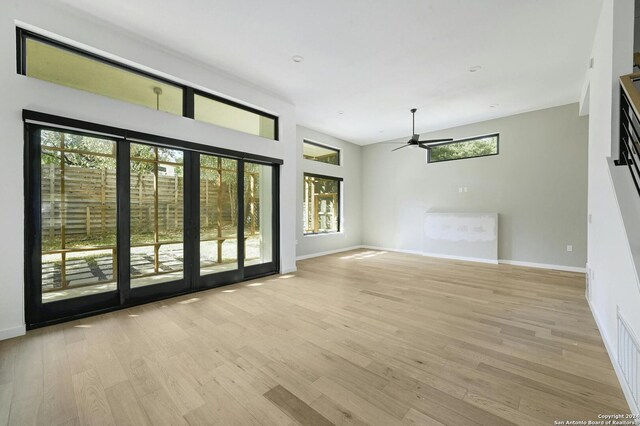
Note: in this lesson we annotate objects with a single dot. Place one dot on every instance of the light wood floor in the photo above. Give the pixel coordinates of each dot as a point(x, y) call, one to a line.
point(355, 338)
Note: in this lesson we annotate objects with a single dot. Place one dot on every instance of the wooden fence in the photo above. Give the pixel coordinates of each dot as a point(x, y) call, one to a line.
point(90, 203)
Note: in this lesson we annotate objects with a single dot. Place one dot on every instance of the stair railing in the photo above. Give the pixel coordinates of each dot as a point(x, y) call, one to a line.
point(629, 148)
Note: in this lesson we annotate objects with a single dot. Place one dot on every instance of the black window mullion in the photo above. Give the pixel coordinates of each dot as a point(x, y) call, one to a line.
point(123, 183)
point(275, 216)
point(191, 218)
point(240, 201)
point(339, 209)
point(189, 102)
point(33, 224)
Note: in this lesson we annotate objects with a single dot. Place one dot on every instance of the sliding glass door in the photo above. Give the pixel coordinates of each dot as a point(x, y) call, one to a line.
point(219, 206)
point(71, 222)
point(259, 218)
point(112, 223)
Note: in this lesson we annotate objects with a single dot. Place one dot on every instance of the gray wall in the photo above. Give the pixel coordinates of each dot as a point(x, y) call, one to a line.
point(537, 184)
point(350, 170)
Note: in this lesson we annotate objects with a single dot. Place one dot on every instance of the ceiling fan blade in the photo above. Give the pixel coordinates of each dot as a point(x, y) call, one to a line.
point(400, 147)
point(428, 141)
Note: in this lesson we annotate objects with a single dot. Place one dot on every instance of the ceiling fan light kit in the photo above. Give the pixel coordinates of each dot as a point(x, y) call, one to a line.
point(415, 139)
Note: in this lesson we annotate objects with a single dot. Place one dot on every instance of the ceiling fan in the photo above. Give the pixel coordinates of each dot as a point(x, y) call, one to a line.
point(414, 141)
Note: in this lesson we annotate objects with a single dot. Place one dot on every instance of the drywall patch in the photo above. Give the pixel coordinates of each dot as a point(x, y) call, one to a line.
point(470, 235)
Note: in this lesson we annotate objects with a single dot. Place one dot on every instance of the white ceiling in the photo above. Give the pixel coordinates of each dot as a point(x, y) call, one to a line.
point(375, 59)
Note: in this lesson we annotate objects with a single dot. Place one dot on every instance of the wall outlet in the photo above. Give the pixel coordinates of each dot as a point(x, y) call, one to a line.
point(569, 247)
point(465, 189)
point(460, 189)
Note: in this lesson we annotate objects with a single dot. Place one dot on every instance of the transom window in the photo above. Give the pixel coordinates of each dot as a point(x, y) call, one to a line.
point(464, 148)
point(49, 60)
point(321, 204)
point(318, 152)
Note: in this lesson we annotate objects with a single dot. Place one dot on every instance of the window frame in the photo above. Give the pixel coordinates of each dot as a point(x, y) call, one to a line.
point(320, 145)
point(38, 314)
point(339, 198)
point(188, 92)
point(197, 92)
point(473, 138)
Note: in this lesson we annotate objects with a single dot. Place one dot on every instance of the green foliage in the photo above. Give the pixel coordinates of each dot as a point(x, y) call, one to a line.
point(324, 186)
point(85, 159)
point(467, 149)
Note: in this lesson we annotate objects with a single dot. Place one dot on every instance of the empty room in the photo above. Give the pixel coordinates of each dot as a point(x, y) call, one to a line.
point(320, 213)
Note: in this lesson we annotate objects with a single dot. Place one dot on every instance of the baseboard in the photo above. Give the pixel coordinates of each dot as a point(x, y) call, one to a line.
point(288, 270)
point(543, 266)
point(325, 253)
point(635, 409)
point(436, 255)
point(446, 256)
point(8, 333)
point(466, 259)
point(419, 253)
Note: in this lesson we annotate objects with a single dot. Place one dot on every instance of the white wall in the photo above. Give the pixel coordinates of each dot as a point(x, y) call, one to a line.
point(537, 185)
point(614, 280)
point(21, 92)
point(350, 210)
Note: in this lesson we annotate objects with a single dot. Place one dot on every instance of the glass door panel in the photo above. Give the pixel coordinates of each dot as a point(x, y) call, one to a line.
point(218, 214)
point(157, 215)
point(258, 213)
point(77, 215)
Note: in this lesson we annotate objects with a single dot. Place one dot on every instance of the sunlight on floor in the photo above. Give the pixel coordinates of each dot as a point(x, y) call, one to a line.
point(363, 255)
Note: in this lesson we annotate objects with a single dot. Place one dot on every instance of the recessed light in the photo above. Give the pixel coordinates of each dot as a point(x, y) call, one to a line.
point(475, 68)
point(340, 112)
point(493, 105)
point(297, 58)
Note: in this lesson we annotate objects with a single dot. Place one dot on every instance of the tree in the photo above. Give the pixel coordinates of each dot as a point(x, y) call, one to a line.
point(468, 149)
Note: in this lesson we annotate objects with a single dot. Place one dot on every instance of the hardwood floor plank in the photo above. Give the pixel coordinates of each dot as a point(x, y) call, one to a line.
point(161, 410)
point(415, 417)
point(125, 406)
point(221, 409)
point(295, 407)
point(93, 407)
point(6, 392)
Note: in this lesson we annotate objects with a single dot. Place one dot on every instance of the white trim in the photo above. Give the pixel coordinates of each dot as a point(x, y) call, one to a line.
point(8, 333)
point(446, 256)
point(543, 266)
point(325, 253)
point(436, 255)
point(466, 259)
point(288, 270)
point(612, 357)
point(323, 234)
point(419, 253)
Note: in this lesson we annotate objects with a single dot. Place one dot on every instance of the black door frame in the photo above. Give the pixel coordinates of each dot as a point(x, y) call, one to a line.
point(38, 314)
